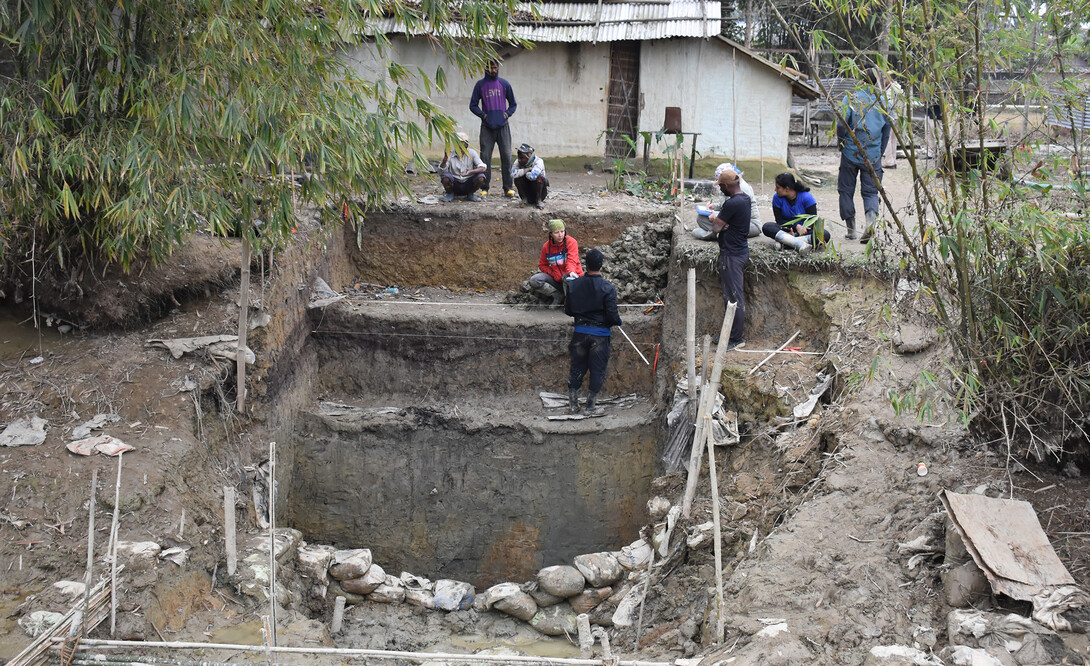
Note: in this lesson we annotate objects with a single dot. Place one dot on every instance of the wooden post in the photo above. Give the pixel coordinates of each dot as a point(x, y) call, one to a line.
point(713, 476)
point(229, 528)
point(586, 639)
point(646, 587)
point(272, 543)
point(761, 142)
point(690, 334)
point(712, 388)
point(338, 615)
point(113, 548)
point(243, 325)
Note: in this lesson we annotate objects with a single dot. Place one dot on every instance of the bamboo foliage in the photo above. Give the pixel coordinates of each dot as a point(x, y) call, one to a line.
point(999, 249)
point(125, 126)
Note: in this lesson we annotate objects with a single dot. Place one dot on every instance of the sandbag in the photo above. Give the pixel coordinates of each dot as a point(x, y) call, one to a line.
point(367, 583)
point(588, 599)
point(561, 581)
point(452, 595)
point(555, 620)
point(599, 569)
point(351, 563)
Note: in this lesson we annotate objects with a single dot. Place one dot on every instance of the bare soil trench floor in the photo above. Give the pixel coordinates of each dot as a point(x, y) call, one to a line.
point(813, 511)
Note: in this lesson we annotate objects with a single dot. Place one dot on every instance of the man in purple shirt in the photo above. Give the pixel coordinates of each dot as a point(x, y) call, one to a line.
point(493, 102)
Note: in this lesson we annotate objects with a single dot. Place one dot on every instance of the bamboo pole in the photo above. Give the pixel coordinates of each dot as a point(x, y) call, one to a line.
point(712, 389)
point(338, 615)
point(765, 359)
point(243, 325)
point(586, 638)
point(113, 548)
point(714, 478)
point(90, 544)
point(229, 528)
point(646, 587)
point(272, 544)
point(690, 333)
point(705, 369)
point(360, 652)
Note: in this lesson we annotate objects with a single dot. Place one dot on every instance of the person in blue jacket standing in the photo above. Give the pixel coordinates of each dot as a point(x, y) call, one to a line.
point(493, 102)
point(864, 116)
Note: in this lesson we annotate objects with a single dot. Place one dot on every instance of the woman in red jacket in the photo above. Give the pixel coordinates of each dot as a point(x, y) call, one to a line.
point(559, 261)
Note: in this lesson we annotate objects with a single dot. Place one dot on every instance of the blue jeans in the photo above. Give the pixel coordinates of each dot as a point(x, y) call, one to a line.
point(845, 186)
point(588, 351)
point(489, 139)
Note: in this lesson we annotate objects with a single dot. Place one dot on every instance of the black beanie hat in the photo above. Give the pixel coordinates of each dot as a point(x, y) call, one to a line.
point(594, 260)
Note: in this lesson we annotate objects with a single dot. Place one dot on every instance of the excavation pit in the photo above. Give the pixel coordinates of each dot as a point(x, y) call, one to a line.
point(423, 436)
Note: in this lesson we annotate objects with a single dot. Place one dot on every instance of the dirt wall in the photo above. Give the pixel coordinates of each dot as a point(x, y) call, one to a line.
point(447, 497)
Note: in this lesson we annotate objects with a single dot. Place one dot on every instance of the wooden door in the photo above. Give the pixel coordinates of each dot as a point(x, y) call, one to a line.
point(623, 111)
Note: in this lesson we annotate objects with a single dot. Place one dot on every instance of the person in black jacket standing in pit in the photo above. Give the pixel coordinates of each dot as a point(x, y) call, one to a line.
point(592, 301)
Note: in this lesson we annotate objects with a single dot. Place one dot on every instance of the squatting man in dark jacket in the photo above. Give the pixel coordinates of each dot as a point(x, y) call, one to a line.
point(592, 301)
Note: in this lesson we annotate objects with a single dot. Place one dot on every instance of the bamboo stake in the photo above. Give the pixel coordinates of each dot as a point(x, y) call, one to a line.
point(765, 359)
point(90, 542)
point(360, 652)
point(272, 543)
point(338, 615)
point(705, 369)
point(113, 548)
point(229, 528)
point(712, 389)
point(243, 325)
point(690, 334)
point(713, 476)
point(586, 638)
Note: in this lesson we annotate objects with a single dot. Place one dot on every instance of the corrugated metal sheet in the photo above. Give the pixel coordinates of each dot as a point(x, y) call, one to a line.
point(609, 22)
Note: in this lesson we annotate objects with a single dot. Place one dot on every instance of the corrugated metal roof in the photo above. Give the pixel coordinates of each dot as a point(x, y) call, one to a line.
point(607, 21)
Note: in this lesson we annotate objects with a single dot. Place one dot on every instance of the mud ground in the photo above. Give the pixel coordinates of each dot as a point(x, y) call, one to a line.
point(815, 517)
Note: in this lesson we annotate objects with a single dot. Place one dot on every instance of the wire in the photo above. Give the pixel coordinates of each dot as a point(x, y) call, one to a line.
point(501, 305)
point(452, 337)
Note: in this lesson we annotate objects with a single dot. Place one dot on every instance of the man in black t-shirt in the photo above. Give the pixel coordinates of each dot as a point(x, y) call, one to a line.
point(732, 223)
point(592, 301)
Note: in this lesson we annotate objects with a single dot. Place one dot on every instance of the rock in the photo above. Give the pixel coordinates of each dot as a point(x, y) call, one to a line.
point(700, 536)
point(555, 620)
point(24, 432)
point(312, 562)
point(560, 581)
point(453, 595)
point(367, 583)
point(911, 339)
point(138, 555)
point(599, 569)
point(350, 563)
point(589, 599)
point(39, 622)
point(635, 555)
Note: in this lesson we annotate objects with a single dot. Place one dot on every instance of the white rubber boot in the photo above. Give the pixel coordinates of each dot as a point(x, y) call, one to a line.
point(793, 242)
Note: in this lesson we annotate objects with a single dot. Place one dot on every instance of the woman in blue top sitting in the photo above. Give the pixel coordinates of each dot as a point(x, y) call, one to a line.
point(791, 204)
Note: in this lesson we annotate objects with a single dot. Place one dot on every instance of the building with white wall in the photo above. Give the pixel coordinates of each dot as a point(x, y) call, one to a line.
point(597, 71)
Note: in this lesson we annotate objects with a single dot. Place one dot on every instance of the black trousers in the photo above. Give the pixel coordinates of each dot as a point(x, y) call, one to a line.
point(588, 351)
point(490, 138)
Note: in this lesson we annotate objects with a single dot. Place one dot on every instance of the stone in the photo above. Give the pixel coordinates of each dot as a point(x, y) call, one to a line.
point(589, 599)
point(599, 569)
point(350, 563)
point(555, 620)
point(138, 555)
point(312, 562)
point(24, 432)
point(912, 339)
point(965, 585)
point(657, 507)
point(561, 581)
point(367, 583)
point(453, 595)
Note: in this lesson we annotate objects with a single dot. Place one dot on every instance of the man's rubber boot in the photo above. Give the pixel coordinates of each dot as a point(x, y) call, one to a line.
point(851, 229)
point(871, 215)
point(793, 242)
point(593, 409)
point(573, 401)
